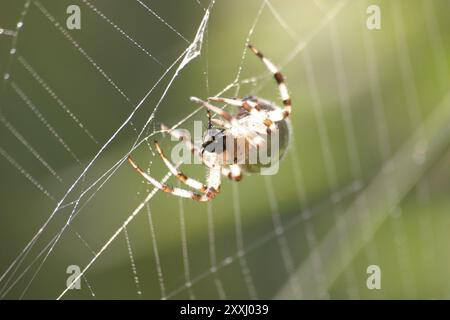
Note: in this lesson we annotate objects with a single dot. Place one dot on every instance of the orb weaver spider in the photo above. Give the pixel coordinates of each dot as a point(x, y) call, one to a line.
point(256, 120)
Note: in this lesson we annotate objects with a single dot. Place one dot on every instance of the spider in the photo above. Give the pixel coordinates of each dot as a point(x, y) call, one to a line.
point(255, 122)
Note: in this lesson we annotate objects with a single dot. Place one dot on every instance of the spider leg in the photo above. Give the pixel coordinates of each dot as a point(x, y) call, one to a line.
point(181, 136)
point(233, 172)
point(162, 186)
point(251, 107)
point(212, 190)
point(225, 115)
point(220, 123)
point(213, 181)
point(180, 175)
point(276, 115)
point(233, 124)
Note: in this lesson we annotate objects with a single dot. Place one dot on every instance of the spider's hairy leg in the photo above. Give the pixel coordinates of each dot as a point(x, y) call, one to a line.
point(276, 115)
point(225, 115)
point(252, 137)
point(233, 172)
point(213, 185)
point(181, 136)
point(234, 127)
point(251, 107)
point(164, 187)
point(180, 176)
point(220, 123)
point(247, 105)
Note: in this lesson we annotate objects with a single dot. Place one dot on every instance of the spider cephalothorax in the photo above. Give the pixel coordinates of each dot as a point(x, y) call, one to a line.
point(233, 144)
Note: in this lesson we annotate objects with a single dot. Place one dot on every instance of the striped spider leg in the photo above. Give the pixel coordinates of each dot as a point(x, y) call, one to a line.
point(250, 106)
point(254, 107)
point(278, 114)
point(208, 192)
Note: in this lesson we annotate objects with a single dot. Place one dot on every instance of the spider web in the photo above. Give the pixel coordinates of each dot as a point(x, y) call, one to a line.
point(315, 238)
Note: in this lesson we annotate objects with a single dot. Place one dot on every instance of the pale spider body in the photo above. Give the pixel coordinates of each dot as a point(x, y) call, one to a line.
point(216, 152)
point(231, 140)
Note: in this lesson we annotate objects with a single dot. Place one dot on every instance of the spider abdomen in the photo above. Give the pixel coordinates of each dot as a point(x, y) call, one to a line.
point(271, 151)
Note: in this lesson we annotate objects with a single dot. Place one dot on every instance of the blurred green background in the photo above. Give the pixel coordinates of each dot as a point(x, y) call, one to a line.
point(365, 182)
